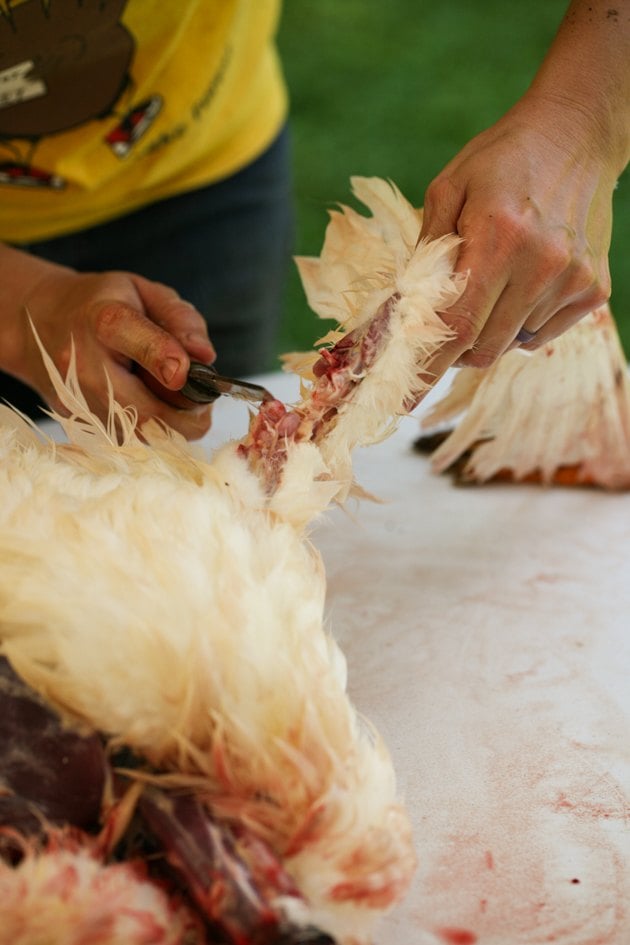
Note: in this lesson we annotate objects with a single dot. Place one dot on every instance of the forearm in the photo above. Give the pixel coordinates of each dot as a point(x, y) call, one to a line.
point(587, 72)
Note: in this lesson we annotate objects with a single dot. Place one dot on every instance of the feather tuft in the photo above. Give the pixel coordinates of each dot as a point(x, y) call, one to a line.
point(66, 890)
point(559, 414)
point(174, 603)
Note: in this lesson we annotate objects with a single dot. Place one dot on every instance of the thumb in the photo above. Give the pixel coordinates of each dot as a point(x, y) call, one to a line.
point(443, 203)
point(177, 316)
point(129, 333)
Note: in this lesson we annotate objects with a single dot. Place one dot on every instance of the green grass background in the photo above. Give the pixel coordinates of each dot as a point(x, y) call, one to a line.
point(395, 88)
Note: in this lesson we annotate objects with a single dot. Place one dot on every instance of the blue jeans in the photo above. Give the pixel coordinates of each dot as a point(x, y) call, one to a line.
point(225, 248)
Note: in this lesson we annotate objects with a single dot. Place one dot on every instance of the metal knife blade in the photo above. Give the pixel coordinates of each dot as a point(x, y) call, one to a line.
point(204, 385)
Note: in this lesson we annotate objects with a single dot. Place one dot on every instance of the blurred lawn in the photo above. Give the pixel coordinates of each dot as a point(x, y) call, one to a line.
point(395, 90)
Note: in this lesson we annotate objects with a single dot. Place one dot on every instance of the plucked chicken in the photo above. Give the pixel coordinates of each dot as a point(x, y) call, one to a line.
point(184, 764)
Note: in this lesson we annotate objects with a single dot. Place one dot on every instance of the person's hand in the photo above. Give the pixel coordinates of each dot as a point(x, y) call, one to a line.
point(140, 333)
point(531, 198)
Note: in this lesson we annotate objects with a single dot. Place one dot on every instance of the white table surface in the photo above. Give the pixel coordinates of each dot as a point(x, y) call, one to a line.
point(487, 632)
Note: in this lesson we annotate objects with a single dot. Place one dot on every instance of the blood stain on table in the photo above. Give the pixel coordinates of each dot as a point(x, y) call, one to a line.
point(453, 936)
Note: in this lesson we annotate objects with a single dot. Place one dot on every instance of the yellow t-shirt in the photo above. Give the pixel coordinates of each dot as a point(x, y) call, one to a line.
point(107, 107)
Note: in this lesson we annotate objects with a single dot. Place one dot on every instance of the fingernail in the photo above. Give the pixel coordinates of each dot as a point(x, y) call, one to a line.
point(169, 369)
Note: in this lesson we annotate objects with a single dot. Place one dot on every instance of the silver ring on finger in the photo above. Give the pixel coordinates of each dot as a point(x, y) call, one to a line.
point(524, 336)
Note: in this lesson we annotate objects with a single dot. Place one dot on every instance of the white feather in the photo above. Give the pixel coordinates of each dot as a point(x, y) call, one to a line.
point(176, 605)
point(66, 897)
point(565, 405)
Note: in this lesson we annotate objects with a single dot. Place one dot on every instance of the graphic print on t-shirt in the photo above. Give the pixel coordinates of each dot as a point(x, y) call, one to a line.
point(64, 63)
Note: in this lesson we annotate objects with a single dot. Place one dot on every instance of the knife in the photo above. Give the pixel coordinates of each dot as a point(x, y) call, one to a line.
point(204, 385)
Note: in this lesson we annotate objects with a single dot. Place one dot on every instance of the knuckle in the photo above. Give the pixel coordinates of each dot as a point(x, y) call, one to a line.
point(434, 191)
point(548, 251)
point(556, 260)
point(587, 287)
point(439, 190)
point(583, 277)
point(465, 329)
point(601, 291)
point(109, 318)
point(605, 285)
point(593, 299)
point(480, 358)
point(149, 353)
point(513, 229)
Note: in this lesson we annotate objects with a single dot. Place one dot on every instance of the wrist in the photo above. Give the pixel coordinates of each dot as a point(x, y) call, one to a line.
point(587, 121)
point(586, 75)
point(21, 276)
point(577, 126)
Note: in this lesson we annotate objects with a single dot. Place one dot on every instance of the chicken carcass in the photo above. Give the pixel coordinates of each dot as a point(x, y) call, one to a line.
point(173, 608)
point(560, 414)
